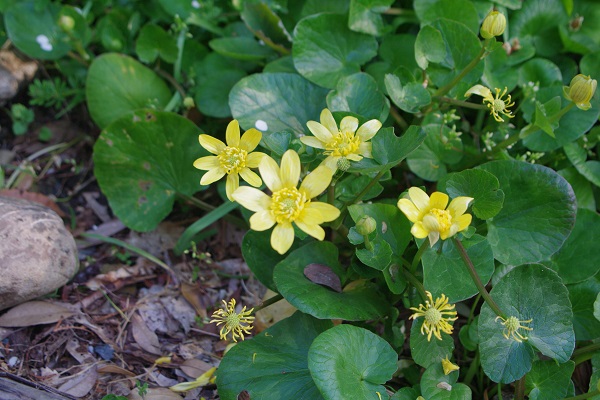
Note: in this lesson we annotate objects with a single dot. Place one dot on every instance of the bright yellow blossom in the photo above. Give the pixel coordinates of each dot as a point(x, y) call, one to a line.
point(430, 217)
point(580, 91)
point(345, 143)
point(287, 203)
point(495, 104)
point(512, 326)
point(234, 159)
point(448, 366)
point(237, 324)
point(438, 315)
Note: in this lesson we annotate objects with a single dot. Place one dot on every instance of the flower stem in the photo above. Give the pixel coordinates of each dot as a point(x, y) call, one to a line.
point(369, 186)
point(207, 207)
point(461, 103)
point(520, 388)
point(398, 118)
point(446, 88)
point(416, 283)
point(471, 268)
point(584, 395)
point(418, 255)
point(473, 368)
point(585, 353)
point(268, 302)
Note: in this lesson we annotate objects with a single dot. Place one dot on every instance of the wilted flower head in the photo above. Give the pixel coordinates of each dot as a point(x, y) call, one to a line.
point(580, 91)
point(438, 315)
point(495, 104)
point(511, 328)
point(430, 217)
point(448, 366)
point(237, 324)
point(493, 25)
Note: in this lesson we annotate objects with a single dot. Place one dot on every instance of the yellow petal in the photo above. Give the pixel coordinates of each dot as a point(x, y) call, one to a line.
point(212, 175)
point(479, 90)
point(368, 130)
point(365, 149)
point(331, 163)
point(327, 211)
point(354, 157)
point(463, 221)
point(282, 237)
point(409, 209)
point(262, 220)
point(433, 238)
point(254, 159)
point(320, 132)
point(213, 145)
point(313, 230)
point(584, 106)
point(328, 121)
point(419, 198)
point(459, 205)
point(312, 142)
point(251, 177)
point(290, 169)
point(232, 135)
point(431, 223)
point(251, 198)
point(269, 171)
point(206, 163)
point(250, 139)
point(317, 181)
point(233, 182)
point(438, 200)
point(419, 231)
point(349, 124)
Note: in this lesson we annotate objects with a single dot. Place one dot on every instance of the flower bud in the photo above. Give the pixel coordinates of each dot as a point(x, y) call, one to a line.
point(188, 103)
point(66, 23)
point(366, 225)
point(581, 91)
point(493, 25)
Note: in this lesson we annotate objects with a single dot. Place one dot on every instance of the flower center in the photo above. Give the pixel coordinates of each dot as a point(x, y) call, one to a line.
point(232, 321)
point(343, 143)
point(233, 159)
point(433, 316)
point(512, 324)
point(498, 105)
point(287, 204)
point(443, 218)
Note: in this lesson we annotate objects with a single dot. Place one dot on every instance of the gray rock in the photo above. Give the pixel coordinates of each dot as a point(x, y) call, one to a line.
point(37, 254)
point(15, 74)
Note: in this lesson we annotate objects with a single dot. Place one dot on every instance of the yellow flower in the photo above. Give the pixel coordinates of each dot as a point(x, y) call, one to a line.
point(430, 217)
point(581, 91)
point(493, 25)
point(237, 324)
point(448, 366)
point(288, 204)
point(234, 159)
point(344, 143)
point(437, 315)
point(512, 326)
point(495, 104)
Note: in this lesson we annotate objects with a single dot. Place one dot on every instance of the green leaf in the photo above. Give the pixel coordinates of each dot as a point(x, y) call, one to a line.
point(445, 272)
point(379, 256)
point(362, 302)
point(34, 30)
point(578, 156)
point(434, 375)
point(326, 50)
point(539, 19)
point(348, 362)
point(240, 48)
point(278, 142)
point(273, 364)
point(131, 87)
point(583, 297)
point(481, 185)
point(429, 46)
point(438, 149)
point(399, 51)
point(581, 186)
point(427, 353)
point(462, 11)
point(548, 380)
point(266, 25)
point(406, 393)
point(541, 119)
point(410, 97)
point(360, 95)
point(281, 100)
point(212, 92)
point(154, 42)
point(578, 260)
point(540, 70)
point(142, 161)
point(538, 213)
point(365, 16)
point(527, 292)
point(597, 307)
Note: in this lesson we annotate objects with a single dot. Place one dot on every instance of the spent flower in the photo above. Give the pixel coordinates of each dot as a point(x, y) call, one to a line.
point(233, 159)
point(237, 324)
point(431, 218)
point(448, 366)
point(438, 315)
point(511, 328)
point(494, 24)
point(496, 104)
point(288, 204)
point(349, 141)
point(580, 91)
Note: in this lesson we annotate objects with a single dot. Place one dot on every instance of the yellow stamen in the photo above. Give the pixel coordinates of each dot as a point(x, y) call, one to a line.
point(287, 204)
point(233, 159)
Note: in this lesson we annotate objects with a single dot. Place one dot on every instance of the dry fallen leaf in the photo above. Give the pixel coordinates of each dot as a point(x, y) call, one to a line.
point(324, 276)
point(34, 313)
point(143, 336)
point(272, 314)
point(194, 367)
point(80, 384)
point(114, 369)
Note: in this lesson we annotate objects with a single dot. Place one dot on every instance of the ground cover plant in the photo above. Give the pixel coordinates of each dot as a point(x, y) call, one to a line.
point(419, 180)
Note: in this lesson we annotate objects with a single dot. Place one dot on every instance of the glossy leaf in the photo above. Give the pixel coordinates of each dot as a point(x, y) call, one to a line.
point(358, 94)
point(365, 16)
point(410, 97)
point(431, 386)
point(548, 380)
point(154, 42)
point(583, 297)
point(427, 353)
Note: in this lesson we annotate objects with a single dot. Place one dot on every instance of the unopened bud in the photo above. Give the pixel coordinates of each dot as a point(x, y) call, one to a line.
point(366, 225)
point(188, 103)
point(493, 25)
point(580, 91)
point(66, 23)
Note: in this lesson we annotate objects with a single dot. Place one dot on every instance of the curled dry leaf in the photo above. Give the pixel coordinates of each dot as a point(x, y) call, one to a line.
point(34, 313)
point(143, 336)
point(324, 276)
point(194, 367)
point(80, 384)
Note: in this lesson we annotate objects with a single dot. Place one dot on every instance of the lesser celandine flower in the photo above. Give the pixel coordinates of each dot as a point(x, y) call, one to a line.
point(344, 143)
point(448, 366)
point(237, 324)
point(233, 159)
point(438, 315)
point(495, 104)
point(580, 91)
point(430, 217)
point(288, 204)
point(511, 328)
point(493, 25)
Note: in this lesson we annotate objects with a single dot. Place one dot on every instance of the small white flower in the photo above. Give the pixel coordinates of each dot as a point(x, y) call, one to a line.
point(261, 125)
point(195, 4)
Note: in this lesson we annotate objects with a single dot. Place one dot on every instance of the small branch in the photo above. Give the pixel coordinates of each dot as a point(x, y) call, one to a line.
point(418, 255)
point(398, 118)
point(461, 103)
point(416, 283)
point(268, 302)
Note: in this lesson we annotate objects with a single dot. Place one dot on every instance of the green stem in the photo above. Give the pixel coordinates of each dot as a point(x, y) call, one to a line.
point(369, 186)
point(499, 391)
point(472, 369)
point(461, 103)
point(399, 11)
point(268, 302)
point(416, 283)
point(368, 244)
point(585, 353)
point(562, 112)
point(398, 118)
point(180, 45)
point(471, 268)
point(520, 388)
point(207, 207)
point(584, 396)
point(418, 255)
point(446, 88)
point(331, 194)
